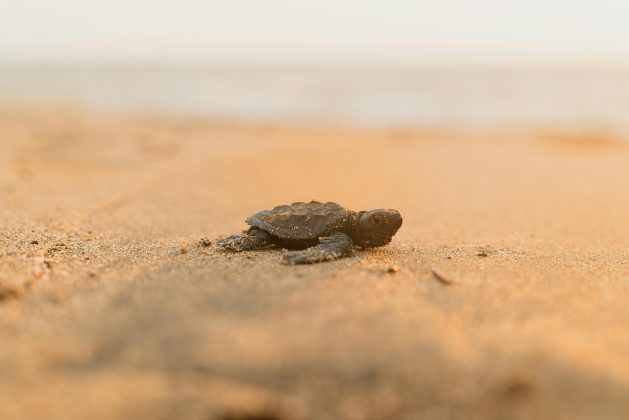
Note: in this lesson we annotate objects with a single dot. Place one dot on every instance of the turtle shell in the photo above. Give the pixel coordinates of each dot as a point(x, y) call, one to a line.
point(301, 221)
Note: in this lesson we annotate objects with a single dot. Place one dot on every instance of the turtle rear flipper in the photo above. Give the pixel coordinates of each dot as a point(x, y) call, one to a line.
point(248, 241)
point(333, 247)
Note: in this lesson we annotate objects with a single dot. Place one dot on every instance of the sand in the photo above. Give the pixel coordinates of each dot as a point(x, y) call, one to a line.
point(509, 299)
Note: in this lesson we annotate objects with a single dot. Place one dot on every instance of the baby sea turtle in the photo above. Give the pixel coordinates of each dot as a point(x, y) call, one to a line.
point(321, 231)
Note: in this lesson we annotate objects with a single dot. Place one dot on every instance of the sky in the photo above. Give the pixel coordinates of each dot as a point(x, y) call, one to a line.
point(315, 31)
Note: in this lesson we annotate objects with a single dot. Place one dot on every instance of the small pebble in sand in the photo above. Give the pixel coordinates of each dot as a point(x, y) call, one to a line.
point(393, 269)
point(441, 277)
point(205, 242)
point(482, 254)
point(183, 251)
point(34, 242)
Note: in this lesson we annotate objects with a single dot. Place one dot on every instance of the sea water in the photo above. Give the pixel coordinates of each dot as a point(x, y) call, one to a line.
point(365, 95)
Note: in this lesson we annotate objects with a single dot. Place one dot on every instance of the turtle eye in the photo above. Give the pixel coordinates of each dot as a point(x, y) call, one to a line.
point(378, 219)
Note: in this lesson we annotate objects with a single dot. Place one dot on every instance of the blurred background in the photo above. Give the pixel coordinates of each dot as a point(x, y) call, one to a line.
point(360, 62)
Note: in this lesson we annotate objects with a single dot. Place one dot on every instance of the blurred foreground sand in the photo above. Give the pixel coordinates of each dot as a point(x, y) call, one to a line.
point(110, 307)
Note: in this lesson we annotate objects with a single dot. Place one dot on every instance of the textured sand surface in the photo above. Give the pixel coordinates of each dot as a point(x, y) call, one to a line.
point(111, 308)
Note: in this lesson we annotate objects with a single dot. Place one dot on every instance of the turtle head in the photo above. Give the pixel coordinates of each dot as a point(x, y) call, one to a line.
point(376, 227)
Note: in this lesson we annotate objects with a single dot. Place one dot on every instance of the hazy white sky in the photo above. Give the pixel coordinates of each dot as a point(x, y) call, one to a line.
point(317, 30)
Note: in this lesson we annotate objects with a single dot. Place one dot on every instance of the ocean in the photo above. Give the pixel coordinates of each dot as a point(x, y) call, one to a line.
point(362, 95)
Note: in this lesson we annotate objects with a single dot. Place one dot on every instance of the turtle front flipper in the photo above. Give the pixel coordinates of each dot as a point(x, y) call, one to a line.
point(249, 241)
point(335, 246)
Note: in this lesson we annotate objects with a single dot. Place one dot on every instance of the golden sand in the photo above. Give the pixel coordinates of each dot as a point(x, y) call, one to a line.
point(510, 297)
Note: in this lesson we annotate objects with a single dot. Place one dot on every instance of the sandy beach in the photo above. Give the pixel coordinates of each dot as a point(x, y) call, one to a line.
point(509, 300)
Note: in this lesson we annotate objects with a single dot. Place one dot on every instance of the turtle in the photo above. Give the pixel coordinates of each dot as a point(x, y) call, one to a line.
point(315, 232)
